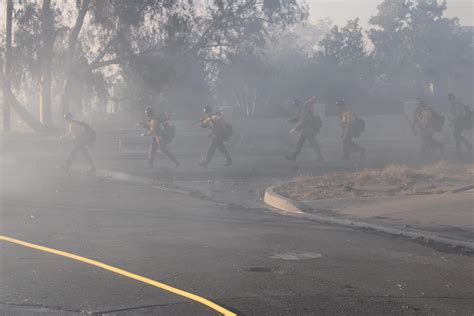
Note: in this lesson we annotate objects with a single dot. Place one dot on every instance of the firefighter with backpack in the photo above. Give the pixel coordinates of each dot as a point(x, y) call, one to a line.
point(82, 136)
point(461, 119)
point(220, 133)
point(426, 122)
point(308, 124)
point(162, 133)
point(352, 127)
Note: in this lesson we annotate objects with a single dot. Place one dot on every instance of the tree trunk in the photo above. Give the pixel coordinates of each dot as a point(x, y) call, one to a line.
point(8, 56)
point(47, 29)
point(73, 37)
point(22, 112)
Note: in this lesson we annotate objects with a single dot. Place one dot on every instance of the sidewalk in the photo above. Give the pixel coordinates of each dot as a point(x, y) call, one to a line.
point(442, 218)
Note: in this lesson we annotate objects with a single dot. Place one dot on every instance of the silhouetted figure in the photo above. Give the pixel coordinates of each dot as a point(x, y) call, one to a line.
point(308, 124)
point(220, 133)
point(460, 120)
point(82, 136)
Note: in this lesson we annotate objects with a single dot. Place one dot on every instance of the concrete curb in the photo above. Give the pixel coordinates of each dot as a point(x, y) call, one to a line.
point(124, 177)
point(129, 178)
point(295, 207)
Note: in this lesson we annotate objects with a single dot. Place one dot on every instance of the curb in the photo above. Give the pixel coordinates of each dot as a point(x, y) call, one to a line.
point(129, 178)
point(291, 206)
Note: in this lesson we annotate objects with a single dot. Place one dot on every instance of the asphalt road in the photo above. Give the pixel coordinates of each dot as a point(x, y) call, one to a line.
point(249, 261)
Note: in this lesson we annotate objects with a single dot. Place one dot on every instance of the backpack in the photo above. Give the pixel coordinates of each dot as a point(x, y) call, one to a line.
point(438, 121)
point(90, 136)
point(317, 123)
point(468, 118)
point(358, 127)
point(169, 132)
point(228, 131)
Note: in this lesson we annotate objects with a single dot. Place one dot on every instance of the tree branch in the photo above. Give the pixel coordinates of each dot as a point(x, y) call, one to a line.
point(104, 63)
point(209, 29)
point(104, 51)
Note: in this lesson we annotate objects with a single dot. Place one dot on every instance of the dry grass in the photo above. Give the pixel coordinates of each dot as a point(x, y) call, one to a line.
point(392, 174)
point(391, 180)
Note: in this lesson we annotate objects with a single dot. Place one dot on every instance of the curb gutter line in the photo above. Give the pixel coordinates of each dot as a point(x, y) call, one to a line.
point(291, 206)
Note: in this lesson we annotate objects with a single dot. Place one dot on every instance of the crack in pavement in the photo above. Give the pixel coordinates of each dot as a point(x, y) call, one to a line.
point(45, 307)
point(348, 296)
point(135, 308)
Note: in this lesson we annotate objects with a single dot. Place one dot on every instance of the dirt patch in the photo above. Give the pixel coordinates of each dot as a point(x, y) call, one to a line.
point(392, 180)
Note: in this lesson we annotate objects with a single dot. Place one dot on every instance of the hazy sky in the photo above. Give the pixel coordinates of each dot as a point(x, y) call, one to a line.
point(339, 11)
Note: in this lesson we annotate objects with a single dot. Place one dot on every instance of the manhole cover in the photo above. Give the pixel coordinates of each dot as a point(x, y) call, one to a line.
point(296, 256)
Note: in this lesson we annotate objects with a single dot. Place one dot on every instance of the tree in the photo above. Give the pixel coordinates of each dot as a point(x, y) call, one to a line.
point(83, 8)
point(10, 100)
point(390, 34)
point(7, 63)
point(345, 46)
point(76, 51)
point(263, 80)
point(47, 44)
point(414, 39)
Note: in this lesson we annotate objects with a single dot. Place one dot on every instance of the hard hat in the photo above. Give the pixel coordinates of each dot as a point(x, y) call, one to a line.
point(149, 111)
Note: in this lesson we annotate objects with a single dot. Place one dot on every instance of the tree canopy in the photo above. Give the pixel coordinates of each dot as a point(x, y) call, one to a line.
point(254, 55)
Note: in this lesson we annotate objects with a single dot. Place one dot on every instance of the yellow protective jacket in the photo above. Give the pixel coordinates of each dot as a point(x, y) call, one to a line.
point(346, 118)
point(423, 117)
point(215, 122)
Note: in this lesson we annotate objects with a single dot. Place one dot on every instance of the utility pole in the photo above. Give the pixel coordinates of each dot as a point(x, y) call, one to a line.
point(8, 63)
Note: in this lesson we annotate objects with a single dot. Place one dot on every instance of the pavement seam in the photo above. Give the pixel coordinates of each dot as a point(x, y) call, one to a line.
point(294, 207)
point(45, 307)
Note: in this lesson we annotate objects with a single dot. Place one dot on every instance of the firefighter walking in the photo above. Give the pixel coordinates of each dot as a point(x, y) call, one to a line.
point(160, 137)
point(352, 126)
point(220, 133)
point(461, 120)
point(425, 123)
point(308, 124)
point(82, 136)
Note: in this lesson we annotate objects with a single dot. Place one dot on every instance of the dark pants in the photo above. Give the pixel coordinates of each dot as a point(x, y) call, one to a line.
point(349, 146)
point(310, 137)
point(428, 143)
point(80, 147)
point(155, 143)
point(217, 143)
point(460, 140)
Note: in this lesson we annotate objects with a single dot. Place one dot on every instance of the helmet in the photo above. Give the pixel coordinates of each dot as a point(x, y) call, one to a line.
point(340, 103)
point(149, 112)
point(68, 116)
point(208, 110)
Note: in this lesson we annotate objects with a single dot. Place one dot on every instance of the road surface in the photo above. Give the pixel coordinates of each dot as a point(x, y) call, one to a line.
point(248, 261)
